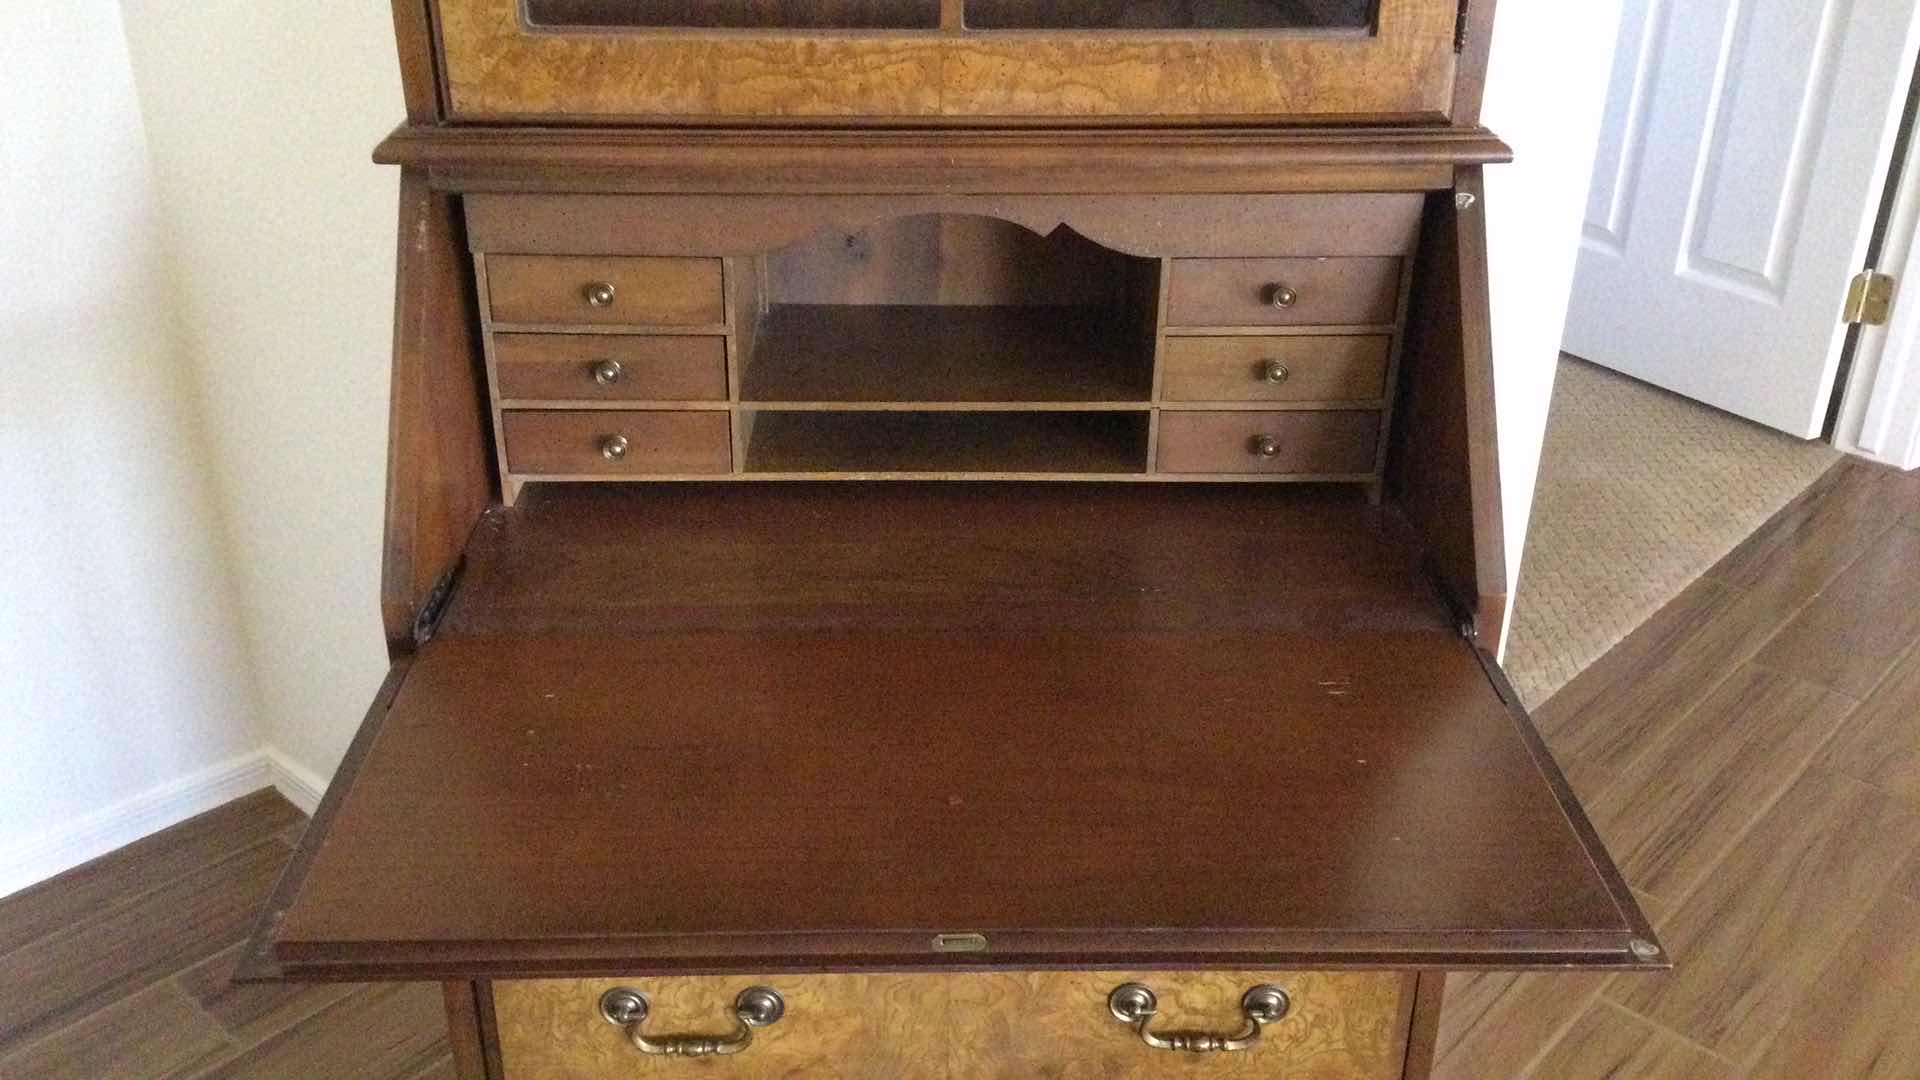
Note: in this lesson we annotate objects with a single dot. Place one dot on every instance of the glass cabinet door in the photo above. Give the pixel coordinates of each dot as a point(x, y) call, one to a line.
point(974, 14)
point(903, 62)
point(1170, 14)
point(739, 14)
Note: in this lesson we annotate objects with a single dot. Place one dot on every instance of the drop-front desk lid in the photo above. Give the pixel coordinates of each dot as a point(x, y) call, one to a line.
point(897, 726)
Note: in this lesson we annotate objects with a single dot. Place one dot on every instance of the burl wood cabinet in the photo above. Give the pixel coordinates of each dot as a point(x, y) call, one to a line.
point(944, 538)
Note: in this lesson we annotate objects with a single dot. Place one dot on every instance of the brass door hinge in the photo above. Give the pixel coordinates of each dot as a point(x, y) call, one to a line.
point(1869, 299)
point(1460, 28)
point(435, 605)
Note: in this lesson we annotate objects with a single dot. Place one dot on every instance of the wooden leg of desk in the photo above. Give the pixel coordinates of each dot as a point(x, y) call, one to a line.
point(1424, 1032)
point(464, 1036)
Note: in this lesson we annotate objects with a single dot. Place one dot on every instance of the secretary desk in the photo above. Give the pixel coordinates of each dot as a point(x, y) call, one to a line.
point(944, 538)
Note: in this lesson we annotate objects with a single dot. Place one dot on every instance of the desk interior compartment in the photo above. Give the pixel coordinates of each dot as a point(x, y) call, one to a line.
point(951, 308)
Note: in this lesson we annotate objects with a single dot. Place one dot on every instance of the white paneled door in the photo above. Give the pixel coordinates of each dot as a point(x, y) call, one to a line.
point(1741, 164)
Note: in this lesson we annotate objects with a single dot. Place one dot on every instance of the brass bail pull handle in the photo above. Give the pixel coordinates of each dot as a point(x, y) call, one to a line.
point(756, 1007)
point(1135, 1004)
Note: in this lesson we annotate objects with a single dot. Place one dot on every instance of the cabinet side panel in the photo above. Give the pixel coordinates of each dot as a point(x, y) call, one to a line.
point(1445, 466)
point(1470, 74)
point(439, 471)
point(419, 60)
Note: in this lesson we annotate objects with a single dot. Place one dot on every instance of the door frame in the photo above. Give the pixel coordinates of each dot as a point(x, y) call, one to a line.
point(1876, 413)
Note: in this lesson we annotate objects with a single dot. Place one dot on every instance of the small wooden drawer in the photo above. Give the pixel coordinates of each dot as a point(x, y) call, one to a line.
point(997, 1026)
point(601, 290)
point(1284, 292)
point(602, 367)
point(1303, 442)
point(1275, 368)
point(608, 443)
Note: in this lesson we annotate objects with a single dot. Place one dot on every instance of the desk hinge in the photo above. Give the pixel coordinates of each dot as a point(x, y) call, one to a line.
point(1460, 28)
point(434, 606)
point(1869, 299)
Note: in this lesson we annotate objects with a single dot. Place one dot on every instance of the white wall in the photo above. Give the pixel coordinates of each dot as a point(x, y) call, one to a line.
point(261, 118)
point(125, 703)
point(1546, 88)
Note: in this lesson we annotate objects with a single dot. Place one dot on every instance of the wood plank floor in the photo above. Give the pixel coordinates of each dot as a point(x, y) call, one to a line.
point(118, 970)
point(1751, 756)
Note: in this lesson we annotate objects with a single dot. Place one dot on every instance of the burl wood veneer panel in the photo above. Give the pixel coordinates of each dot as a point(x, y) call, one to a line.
point(854, 1027)
point(496, 68)
point(1342, 1026)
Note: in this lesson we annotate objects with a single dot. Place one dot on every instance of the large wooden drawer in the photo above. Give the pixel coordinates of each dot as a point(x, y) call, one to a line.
point(606, 367)
point(1284, 292)
point(1338, 1026)
point(592, 443)
point(1273, 368)
point(603, 290)
point(1304, 442)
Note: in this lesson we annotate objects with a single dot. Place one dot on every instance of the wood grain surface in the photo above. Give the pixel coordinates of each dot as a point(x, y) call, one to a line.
point(1014, 1025)
point(796, 558)
point(954, 259)
point(1444, 464)
point(560, 367)
point(1319, 369)
point(647, 291)
point(835, 732)
point(1309, 441)
point(1831, 845)
point(497, 158)
point(990, 1025)
point(551, 442)
point(737, 14)
point(1850, 1005)
point(1375, 224)
point(859, 1027)
point(497, 68)
point(1857, 1020)
point(953, 444)
point(1673, 810)
point(1609, 1043)
point(1239, 292)
point(440, 472)
point(921, 354)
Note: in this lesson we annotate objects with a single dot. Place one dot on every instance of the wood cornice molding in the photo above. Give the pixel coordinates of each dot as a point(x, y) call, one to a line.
point(1079, 161)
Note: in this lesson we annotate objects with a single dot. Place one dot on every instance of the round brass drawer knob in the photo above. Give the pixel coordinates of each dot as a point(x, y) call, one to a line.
point(1265, 446)
point(599, 294)
point(607, 372)
point(614, 448)
point(1282, 296)
point(1275, 372)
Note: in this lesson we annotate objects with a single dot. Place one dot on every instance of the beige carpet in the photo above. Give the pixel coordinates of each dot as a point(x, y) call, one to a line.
point(1640, 492)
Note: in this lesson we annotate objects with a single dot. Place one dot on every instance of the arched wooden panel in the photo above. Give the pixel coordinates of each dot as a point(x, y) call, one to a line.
point(1223, 226)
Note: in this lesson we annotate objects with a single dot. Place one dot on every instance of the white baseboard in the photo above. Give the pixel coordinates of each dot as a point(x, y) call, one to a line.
point(58, 850)
point(301, 785)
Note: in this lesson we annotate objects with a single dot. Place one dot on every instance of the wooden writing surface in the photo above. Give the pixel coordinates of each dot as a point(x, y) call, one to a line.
point(1120, 727)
